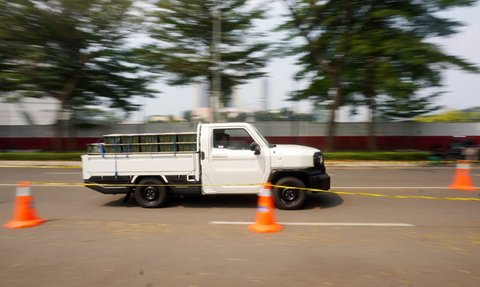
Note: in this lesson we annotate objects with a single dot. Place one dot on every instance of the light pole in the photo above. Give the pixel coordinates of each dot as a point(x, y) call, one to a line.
point(215, 93)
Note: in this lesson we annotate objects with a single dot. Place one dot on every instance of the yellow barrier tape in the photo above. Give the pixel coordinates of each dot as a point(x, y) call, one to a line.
point(385, 195)
point(64, 184)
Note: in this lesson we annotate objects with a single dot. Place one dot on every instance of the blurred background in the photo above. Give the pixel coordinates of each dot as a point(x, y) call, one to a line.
point(337, 75)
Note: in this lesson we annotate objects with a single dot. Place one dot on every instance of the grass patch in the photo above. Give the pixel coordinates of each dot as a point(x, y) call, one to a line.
point(378, 155)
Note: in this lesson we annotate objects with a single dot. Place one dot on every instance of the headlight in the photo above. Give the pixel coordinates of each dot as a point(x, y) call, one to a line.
point(318, 159)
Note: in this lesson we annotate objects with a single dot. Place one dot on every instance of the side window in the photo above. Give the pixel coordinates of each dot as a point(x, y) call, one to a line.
point(236, 139)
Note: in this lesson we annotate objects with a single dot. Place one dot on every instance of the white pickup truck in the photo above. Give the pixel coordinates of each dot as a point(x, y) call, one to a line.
point(220, 158)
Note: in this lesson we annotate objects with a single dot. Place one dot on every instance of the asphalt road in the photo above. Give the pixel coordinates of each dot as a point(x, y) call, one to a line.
point(352, 238)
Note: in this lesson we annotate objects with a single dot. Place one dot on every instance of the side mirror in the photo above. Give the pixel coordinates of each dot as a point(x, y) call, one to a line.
point(255, 147)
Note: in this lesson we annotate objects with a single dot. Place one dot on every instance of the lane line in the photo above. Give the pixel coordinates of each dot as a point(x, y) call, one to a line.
point(390, 187)
point(62, 173)
point(53, 184)
point(41, 166)
point(362, 224)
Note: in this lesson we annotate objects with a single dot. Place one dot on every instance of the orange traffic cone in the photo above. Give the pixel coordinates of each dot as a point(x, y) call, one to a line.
point(462, 179)
point(24, 214)
point(265, 218)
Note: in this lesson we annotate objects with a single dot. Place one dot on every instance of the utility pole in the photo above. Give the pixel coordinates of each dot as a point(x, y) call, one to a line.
point(216, 90)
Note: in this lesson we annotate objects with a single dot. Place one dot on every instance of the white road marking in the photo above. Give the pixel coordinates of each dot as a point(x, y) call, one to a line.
point(320, 224)
point(62, 173)
point(58, 184)
point(389, 187)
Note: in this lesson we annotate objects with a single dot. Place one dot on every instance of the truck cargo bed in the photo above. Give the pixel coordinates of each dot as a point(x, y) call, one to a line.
point(140, 164)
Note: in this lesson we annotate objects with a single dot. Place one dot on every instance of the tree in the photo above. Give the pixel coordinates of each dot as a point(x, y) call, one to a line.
point(326, 28)
point(185, 45)
point(393, 61)
point(375, 53)
point(74, 51)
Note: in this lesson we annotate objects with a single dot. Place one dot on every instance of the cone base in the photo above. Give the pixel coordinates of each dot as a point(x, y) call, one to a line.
point(462, 187)
point(265, 228)
point(24, 223)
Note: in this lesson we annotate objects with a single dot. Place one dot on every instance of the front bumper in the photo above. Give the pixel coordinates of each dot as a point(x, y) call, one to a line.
point(319, 179)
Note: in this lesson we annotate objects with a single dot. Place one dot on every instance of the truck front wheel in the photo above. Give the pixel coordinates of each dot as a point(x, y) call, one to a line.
point(288, 195)
point(151, 193)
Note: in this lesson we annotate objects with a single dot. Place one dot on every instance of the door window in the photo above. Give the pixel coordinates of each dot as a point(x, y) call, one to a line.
point(234, 139)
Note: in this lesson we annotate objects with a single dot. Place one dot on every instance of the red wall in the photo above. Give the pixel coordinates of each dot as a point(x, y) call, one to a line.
point(426, 143)
point(46, 144)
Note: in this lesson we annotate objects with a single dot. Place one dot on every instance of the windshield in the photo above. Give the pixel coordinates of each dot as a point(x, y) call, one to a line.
point(263, 138)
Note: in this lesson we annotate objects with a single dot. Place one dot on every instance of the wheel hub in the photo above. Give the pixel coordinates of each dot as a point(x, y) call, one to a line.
point(150, 194)
point(289, 195)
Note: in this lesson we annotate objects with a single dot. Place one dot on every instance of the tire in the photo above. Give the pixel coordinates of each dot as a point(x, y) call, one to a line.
point(289, 198)
point(151, 193)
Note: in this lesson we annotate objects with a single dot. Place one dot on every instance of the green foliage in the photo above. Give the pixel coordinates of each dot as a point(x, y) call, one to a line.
point(282, 115)
point(183, 35)
point(451, 116)
point(406, 106)
point(74, 51)
point(379, 50)
point(379, 156)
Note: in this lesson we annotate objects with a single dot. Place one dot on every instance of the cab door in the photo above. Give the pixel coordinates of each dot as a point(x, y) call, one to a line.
point(228, 164)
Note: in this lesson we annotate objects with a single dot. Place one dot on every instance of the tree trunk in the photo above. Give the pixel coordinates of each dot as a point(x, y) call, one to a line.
point(60, 123)
point(330, 143)
point(333, 70)
point(371, 128)
point(370, 95)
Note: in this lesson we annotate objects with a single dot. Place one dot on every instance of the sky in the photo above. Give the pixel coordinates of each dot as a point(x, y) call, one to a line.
point(461, 89)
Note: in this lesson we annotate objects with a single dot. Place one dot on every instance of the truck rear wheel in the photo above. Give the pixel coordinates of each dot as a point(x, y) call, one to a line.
point(289, 197)
point(151, 193)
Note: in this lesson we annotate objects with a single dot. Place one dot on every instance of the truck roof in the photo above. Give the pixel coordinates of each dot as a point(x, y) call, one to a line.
point(228, 124)
point(149, 134)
